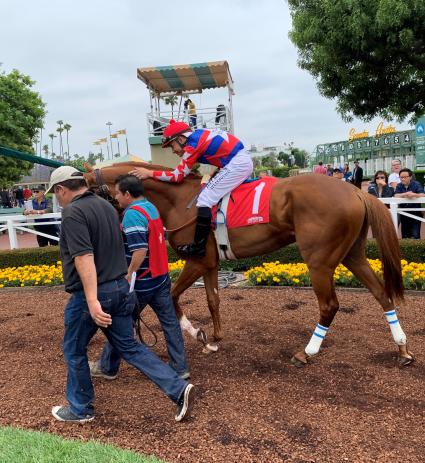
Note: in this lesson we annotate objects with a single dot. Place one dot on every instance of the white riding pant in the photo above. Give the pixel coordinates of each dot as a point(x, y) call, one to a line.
point(226, 180)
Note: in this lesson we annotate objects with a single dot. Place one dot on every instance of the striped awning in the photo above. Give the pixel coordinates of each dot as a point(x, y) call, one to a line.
point(186, 77)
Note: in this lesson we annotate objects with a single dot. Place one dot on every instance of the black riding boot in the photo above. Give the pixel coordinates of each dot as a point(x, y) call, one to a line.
point(203, 227)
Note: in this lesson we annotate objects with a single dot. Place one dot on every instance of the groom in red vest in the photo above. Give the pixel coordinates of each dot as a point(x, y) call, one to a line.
point(146, 253)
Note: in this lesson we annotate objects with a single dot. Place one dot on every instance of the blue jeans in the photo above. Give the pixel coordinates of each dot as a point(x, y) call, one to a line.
point(80, 328)
point(162, 304)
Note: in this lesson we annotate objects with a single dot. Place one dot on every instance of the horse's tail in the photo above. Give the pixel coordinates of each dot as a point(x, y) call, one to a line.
point(378, 217)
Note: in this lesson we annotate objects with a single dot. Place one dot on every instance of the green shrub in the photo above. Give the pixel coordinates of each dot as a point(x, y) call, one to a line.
point(411, 250)
point(281, 171)
point(48, 255)
point(419, 176)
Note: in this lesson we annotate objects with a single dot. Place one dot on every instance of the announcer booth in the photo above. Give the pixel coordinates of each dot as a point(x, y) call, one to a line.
point(174, 84)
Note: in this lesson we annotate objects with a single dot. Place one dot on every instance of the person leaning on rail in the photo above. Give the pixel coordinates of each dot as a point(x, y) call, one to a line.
point(409, 188)
point(94, 271)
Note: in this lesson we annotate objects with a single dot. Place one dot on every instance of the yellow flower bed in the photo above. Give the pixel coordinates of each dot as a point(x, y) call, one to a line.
point(277, 274)
point(268, 274)
point(32, 275)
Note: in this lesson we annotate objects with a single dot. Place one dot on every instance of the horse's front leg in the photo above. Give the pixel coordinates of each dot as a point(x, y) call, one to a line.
point(190, 273)
point(211, 288)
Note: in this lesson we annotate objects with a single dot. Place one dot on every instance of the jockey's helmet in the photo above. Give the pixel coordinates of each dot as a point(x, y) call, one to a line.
point(173, 130)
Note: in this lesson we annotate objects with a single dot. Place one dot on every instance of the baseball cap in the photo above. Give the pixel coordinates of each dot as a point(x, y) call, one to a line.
point(62, 174)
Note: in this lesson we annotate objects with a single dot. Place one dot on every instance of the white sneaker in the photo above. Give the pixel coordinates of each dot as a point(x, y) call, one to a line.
point(185, 405)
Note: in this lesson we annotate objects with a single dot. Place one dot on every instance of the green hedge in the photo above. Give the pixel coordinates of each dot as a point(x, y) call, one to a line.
point(419, 176)
point(411, 250)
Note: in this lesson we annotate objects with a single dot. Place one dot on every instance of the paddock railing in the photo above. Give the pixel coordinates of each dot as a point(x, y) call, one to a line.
point(24, 223)
point(396, 210)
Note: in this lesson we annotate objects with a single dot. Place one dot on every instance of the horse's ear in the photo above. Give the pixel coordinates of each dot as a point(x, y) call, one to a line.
point(88, 167)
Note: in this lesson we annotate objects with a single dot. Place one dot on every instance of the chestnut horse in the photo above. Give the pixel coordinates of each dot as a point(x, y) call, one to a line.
point(328, 219)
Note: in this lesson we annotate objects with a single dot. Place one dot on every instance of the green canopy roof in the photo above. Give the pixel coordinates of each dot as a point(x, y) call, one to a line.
point(186, 77)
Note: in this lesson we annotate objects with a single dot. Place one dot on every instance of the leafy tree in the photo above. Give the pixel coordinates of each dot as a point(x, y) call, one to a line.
point(60, 130)
point(301, 156)
point(172, 101)
point(256, 161)
point(52, 136)
point(21, 115)
point(46, 150)
point(270, 160)
point(368, 54)
point(283, 157)
point(67, 128)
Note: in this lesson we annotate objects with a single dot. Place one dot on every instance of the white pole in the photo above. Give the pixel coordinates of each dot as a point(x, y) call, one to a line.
point(13, 240)
point(393, 211)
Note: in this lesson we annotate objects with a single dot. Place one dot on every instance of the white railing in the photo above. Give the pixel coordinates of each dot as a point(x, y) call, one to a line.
point(24, 223)
point(13, 223)
point(395, 209)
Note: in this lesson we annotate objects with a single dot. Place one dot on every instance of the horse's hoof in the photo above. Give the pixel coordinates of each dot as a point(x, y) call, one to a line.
point(297, 362)
point(404, 361)
point(202, 336)
point(210, 349)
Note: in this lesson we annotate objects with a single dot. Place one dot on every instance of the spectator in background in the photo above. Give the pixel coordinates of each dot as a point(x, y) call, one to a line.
point(189, 105)
point(329, 170)
point(347, 173)
point(19, 195)
point(5, 199)
point(409, 188)
point(262, 174)
point(27, 193)
point(220, 117)
point(320, 169)
point(41, 205)
point(357, 177)
point(379, 185)
point(337, 173)
point(394, 178)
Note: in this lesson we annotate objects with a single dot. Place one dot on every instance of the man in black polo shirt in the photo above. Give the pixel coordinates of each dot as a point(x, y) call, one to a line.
point(94, 269)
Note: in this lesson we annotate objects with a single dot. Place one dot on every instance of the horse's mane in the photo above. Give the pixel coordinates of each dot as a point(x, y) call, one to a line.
point(149, 166)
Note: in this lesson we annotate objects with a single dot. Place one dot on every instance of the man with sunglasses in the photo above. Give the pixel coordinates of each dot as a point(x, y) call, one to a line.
point(41, 205)
point(409, 188)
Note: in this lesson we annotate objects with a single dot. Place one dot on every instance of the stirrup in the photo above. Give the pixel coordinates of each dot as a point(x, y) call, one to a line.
point(192, 249)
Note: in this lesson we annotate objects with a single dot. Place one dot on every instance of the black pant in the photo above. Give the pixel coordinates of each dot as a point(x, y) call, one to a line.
point(48, 230)
point(411, 228)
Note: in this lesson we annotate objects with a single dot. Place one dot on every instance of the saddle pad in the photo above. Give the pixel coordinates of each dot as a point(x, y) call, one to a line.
point(249, 204)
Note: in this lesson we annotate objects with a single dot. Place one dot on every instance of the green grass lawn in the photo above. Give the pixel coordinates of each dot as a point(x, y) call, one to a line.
point(20, 446)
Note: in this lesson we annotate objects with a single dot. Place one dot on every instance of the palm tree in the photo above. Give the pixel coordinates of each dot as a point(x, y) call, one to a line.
point(52, 136)
point(46, 150)
point(172, 101)
point(60, 130)
point(67, 127)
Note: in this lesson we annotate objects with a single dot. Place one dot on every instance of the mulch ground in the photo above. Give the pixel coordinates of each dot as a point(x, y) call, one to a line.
point(351, 403)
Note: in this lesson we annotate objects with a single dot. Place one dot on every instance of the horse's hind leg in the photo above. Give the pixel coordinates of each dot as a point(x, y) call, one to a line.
point(358, 264)
point(323, 285)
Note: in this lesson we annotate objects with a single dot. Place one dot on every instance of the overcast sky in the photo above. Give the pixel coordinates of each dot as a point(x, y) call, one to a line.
point(84, 55)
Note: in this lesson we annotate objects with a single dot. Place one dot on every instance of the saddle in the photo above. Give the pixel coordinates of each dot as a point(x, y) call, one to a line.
point(248, 204)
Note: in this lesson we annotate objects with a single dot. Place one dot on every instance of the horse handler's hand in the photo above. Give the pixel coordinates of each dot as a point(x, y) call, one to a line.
point(100, 317)
point(142, 173)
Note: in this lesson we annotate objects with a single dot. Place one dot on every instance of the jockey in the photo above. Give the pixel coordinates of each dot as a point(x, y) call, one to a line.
point(217, 148)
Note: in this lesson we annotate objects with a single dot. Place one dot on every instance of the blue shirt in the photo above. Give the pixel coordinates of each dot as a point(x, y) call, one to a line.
point(414, 186)
point(136, 236)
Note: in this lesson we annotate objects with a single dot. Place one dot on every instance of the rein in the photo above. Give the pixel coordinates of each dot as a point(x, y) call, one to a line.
point(190, 222)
